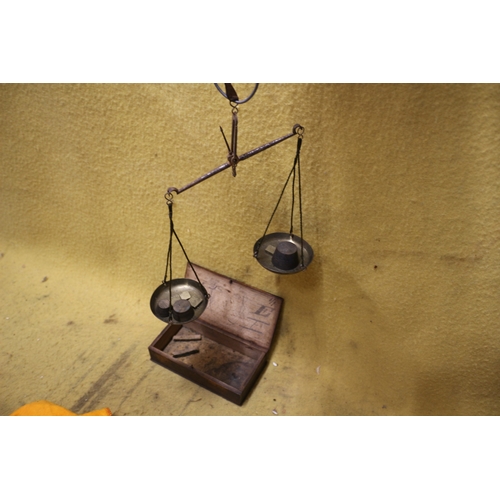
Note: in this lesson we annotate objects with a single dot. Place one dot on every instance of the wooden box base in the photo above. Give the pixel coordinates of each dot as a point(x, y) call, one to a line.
point(222, 361)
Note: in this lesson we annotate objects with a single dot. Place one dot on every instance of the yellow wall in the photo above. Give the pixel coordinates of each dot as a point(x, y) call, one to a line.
point(400, 307)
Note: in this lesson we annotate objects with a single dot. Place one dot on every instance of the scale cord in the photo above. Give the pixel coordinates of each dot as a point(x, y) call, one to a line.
point(167, 280)
point(190, 264)
point(300, 208)
point(168, 268)
point(292, 171)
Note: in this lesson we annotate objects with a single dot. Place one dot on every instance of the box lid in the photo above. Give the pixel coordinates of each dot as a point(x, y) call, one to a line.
point(238, 309)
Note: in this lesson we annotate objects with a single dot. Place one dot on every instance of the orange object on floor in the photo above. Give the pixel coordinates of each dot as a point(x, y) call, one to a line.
point(46, 408)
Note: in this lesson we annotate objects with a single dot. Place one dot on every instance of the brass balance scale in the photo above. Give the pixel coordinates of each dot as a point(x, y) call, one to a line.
point(182, 300)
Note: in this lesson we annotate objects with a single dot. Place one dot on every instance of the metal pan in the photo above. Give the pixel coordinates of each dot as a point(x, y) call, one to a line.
point(182, 289)
point(265, 248)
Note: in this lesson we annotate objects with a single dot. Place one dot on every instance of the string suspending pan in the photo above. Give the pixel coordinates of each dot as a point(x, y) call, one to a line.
point(275, 252)
point(189, 300)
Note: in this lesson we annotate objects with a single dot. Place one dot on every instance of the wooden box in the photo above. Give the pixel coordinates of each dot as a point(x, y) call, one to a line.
point(236, 330)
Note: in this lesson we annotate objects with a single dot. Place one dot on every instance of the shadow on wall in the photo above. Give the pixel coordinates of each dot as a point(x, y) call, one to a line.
point(460, 390)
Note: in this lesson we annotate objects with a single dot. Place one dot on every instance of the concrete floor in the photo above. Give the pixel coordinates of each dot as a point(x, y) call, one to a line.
point(73, 336)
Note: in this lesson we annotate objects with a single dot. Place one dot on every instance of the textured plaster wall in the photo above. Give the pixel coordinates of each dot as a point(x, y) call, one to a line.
point(401, 187)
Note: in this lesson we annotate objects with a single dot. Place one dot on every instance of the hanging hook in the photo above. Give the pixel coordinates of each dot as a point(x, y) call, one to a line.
point(169, 197)
point(231, 98)
point(299, 130)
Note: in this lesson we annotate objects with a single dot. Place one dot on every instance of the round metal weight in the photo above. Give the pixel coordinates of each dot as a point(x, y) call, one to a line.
point(275, 252)
point(182, 311)
point(285, 256)
point(189, 300)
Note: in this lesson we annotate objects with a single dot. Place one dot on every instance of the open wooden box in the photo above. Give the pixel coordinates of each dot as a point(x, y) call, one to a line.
point(236, 330)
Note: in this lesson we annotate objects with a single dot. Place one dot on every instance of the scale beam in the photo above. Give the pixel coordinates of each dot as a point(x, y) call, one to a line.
point(297, 129)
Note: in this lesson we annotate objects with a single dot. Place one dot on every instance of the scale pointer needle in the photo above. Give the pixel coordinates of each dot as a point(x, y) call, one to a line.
point(225, 140)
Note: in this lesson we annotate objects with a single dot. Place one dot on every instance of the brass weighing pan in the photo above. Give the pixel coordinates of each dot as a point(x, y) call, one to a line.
point(282, 253)
point(189, 300)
